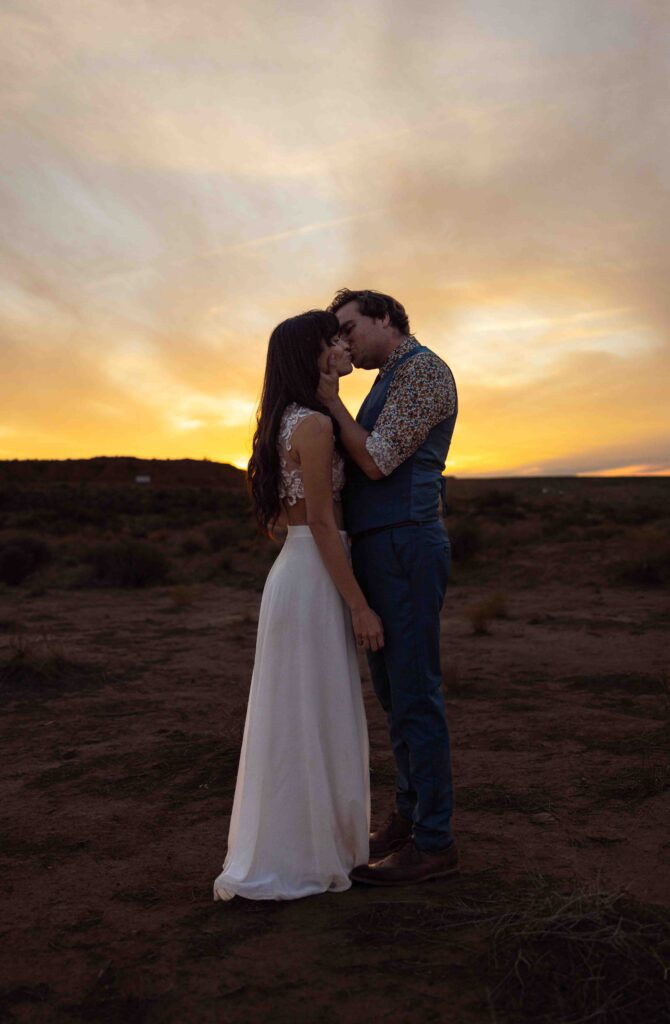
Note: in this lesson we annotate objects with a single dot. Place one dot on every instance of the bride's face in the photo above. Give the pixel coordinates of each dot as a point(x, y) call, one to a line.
point(337, 352)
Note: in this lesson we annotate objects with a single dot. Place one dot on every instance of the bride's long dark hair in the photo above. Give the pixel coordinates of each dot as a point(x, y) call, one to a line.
point(291, 375)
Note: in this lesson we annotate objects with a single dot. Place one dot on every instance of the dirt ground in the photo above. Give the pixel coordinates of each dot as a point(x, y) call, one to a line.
point(120, 762)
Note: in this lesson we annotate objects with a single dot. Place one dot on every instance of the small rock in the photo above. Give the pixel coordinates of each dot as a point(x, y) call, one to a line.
point(605, 839)
point(542, 818)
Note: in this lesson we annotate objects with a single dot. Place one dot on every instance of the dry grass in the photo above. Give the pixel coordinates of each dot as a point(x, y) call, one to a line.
point(637, 782)
point(481, 614)
point(459, 686)
point(647, 742)
point(552, 956)
point(126, 563)
point(451, 678)
point(646, 558)
point(628, 682)
point(190, 545)
point(42, 666)
point(491, 796)
point(465, 537)
point(581, 956)
point(182, 597)
point(183, 767)
point(21, 556)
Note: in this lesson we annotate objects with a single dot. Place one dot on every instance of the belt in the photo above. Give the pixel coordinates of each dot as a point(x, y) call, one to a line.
point(392, 526)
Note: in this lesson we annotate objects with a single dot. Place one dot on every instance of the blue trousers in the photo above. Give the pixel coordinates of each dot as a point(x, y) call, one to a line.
point(403, 573)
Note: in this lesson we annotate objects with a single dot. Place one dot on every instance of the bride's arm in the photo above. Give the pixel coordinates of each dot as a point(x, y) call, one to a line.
point(313, 442)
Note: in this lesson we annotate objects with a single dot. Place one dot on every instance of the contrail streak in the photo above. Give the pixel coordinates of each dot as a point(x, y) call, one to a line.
point(249, 244)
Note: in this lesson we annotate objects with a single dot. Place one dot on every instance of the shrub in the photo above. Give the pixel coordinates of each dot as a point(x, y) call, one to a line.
point(647, 559)
point(636, 783)
point(549, 953)
point(498, 505)
point(465, 537)
point(482, 613)
point(42, 666)
point(224, 565)
point(182, 597)
point(191, 546)
point(128, 564)
point(218, 536)
point(496, 499)
point(451, 678)
point(21, 556)
point(229, 535)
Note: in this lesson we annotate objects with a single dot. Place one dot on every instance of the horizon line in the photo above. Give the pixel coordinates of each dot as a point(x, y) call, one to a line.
point(602, 474)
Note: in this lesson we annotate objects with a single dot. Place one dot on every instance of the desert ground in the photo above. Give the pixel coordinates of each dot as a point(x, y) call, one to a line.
point(128, 613)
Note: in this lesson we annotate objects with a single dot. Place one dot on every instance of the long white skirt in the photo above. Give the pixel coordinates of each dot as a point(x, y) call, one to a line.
point(301, 812)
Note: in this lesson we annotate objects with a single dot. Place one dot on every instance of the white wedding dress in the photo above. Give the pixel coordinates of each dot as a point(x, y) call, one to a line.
point(301, 811)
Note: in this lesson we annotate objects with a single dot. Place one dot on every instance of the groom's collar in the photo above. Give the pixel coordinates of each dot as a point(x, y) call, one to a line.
point(405, 346)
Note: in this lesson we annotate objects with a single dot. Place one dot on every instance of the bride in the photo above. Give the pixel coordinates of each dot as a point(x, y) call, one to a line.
point(301, 812)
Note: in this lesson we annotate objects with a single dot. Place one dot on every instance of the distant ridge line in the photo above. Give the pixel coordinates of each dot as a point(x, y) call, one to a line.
point(121, 469)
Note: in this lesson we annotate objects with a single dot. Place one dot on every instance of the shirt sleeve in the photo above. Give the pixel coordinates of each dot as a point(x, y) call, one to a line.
point(422, 393)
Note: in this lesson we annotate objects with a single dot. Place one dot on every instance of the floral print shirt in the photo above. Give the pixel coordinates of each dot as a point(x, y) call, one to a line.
point(422, 393)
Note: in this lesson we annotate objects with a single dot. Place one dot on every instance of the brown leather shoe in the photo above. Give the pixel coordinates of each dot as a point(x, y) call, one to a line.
point(408, 865)
point(393, 834)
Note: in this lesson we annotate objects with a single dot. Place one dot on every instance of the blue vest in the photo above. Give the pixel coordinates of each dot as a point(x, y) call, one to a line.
point(412, 491)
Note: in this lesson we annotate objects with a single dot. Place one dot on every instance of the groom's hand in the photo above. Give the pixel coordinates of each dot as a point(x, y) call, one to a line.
point(328, 390)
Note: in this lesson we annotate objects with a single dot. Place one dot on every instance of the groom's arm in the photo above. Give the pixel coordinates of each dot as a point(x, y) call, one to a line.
point(422, 394)
point(353, 436)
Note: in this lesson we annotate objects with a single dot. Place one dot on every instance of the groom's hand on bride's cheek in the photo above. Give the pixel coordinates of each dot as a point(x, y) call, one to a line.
point(329, 383)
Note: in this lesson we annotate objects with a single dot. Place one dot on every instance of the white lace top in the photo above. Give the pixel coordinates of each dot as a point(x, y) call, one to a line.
point(291, 485)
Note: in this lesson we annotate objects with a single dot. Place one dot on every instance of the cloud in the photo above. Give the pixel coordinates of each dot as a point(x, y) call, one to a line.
point(179, 179)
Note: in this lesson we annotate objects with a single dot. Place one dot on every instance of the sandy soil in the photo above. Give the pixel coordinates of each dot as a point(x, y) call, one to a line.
point(118, 776)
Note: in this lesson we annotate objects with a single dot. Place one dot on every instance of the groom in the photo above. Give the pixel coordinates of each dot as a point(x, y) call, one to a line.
point(398, 448)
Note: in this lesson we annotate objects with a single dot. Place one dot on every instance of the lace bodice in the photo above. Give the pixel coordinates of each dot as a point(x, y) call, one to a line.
point(291, 485)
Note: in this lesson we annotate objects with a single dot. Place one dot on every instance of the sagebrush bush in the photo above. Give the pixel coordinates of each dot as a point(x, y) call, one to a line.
point(191, 546)
point(465, 537)
point(481, 614)
point(229, 535)
point(646, 559)
point(219, 536)
point(20, 556)
point(40, 665)
point(497, 506)
point(132, 563)
point(182, 596)
point(549, 952)
point(223, 566)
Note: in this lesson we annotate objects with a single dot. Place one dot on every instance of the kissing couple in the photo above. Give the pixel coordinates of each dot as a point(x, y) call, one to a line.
point(365, 562)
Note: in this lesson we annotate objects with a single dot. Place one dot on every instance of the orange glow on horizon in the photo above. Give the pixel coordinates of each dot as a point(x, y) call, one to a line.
point(177, 184)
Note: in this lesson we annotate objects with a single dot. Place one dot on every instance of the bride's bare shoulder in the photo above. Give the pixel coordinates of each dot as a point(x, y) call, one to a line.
point(312, 428)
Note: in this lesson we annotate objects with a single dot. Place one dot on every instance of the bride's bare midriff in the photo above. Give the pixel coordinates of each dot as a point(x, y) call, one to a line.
point(296, 515)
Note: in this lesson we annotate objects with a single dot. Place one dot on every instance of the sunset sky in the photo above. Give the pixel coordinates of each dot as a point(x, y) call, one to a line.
point(178, 177)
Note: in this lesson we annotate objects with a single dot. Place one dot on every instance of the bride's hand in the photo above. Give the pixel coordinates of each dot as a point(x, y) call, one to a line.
point(329, 384)
point(368, 628)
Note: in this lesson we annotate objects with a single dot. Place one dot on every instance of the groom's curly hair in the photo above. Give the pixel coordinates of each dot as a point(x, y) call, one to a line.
point(291, 375)
point(373, 304)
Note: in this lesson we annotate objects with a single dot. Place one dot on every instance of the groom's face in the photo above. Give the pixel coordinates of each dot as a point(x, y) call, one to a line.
point(363, 334)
